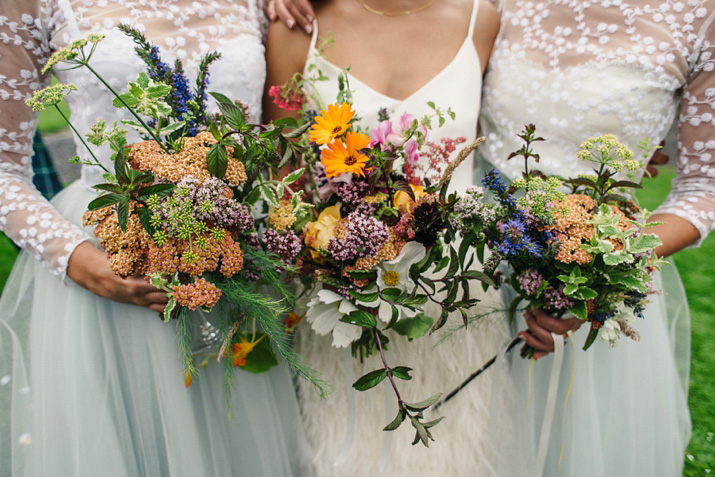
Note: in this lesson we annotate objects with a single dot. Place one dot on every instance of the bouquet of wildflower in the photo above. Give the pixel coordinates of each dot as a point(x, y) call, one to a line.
point(177, 207)
point(584, 253)
point(379, 252)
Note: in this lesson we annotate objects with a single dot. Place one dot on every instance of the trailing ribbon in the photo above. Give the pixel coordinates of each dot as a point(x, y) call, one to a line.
point(350, 401)
point(566, 400)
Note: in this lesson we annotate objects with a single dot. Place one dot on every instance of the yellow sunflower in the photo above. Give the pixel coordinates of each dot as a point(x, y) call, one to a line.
point(340, 157)
point(331, 123)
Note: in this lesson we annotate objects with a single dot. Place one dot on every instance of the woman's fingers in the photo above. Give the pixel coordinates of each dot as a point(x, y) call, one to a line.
point(541, 325)
point(555, 325)
point(537, 337)
point(89, 268)
point(271, 10)
point(292, 12)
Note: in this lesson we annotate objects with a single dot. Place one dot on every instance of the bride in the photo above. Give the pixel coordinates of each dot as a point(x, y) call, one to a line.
point(90, 383)
point(402, 54)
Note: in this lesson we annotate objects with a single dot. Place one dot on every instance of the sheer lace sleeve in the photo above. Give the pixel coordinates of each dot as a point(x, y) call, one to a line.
point(693, 190)
point(25, 216)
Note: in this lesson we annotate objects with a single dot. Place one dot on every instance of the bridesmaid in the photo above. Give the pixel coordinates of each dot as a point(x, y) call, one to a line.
point(581, 69)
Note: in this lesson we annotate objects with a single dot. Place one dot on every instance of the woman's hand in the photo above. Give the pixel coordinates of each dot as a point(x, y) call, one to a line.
point(292, 11)
point(89, 268)
point(541, 325)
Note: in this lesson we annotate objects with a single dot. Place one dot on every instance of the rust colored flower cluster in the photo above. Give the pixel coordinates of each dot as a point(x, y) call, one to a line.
point(570, 227)
point(178, 256)
point(126, 250)
point(200, 293)
point(190, 161)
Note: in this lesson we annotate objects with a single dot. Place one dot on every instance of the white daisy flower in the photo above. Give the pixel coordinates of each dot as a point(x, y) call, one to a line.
point(396, 274)
point(324, 312)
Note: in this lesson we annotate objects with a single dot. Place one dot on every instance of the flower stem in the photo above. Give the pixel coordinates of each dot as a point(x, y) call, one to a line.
point(86, 146)
point(136, 116)
point(387, 367)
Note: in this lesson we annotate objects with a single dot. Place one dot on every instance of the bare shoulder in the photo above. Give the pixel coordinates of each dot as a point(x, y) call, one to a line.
point(486, 30)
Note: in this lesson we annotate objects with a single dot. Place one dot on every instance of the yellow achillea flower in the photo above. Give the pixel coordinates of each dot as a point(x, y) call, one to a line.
point(331, 123)
point(339, 158)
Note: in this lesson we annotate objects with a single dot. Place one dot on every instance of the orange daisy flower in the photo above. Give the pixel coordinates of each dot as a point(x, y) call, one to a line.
point(339, 158)
point(331, 123)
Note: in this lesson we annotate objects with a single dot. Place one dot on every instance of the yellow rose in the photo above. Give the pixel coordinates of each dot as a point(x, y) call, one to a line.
point(403, 201)
point(318, 233)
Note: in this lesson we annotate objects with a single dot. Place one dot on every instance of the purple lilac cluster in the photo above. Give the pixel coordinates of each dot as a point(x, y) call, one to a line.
point(471, 210)
point(557, 299)
point(364, 237)
point(286, 246)
point(207, 202)
point(226, 212)
point(530, 281)
point(351, 192)
point(366, 208)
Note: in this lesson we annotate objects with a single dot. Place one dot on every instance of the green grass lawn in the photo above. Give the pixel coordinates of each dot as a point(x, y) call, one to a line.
point(51, 120)
point(695, 266)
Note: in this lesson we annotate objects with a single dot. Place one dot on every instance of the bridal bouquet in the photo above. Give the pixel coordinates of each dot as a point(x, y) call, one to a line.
point(379, 252)
point(178, 207)
point(584, 253)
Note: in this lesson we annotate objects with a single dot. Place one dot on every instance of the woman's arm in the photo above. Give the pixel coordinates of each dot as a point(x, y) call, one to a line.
point(286, 53)
point(485, 31)
point(25, 216)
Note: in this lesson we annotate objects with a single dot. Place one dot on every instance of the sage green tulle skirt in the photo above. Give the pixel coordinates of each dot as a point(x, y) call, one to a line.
point(91, 387)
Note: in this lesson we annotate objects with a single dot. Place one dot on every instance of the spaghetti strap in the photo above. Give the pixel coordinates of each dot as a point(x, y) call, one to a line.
point(473, 19)
point(314, 37)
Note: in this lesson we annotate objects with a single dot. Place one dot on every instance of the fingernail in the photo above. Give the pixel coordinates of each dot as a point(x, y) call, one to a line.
point(308, 29)
point(290, 23)
point(309, 17)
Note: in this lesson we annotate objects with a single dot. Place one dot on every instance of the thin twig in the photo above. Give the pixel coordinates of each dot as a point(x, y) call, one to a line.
point(474, 375)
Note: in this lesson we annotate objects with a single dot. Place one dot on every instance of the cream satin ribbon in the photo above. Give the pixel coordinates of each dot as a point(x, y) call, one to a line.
point(350, 401)
point(550, 408)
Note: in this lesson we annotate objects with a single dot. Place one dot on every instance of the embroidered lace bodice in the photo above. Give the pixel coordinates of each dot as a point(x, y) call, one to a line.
point(31, 30)
point(583, 68)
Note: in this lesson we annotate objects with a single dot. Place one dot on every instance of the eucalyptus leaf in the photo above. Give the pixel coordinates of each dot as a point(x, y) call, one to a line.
point(422, 405)
point(360, 318)
point(401, 372)
point(580, 310)
point(592, 334)
point(413, 328)
point(104, 201)
point(217, 160)
point(399, 419)
point(370, 380)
